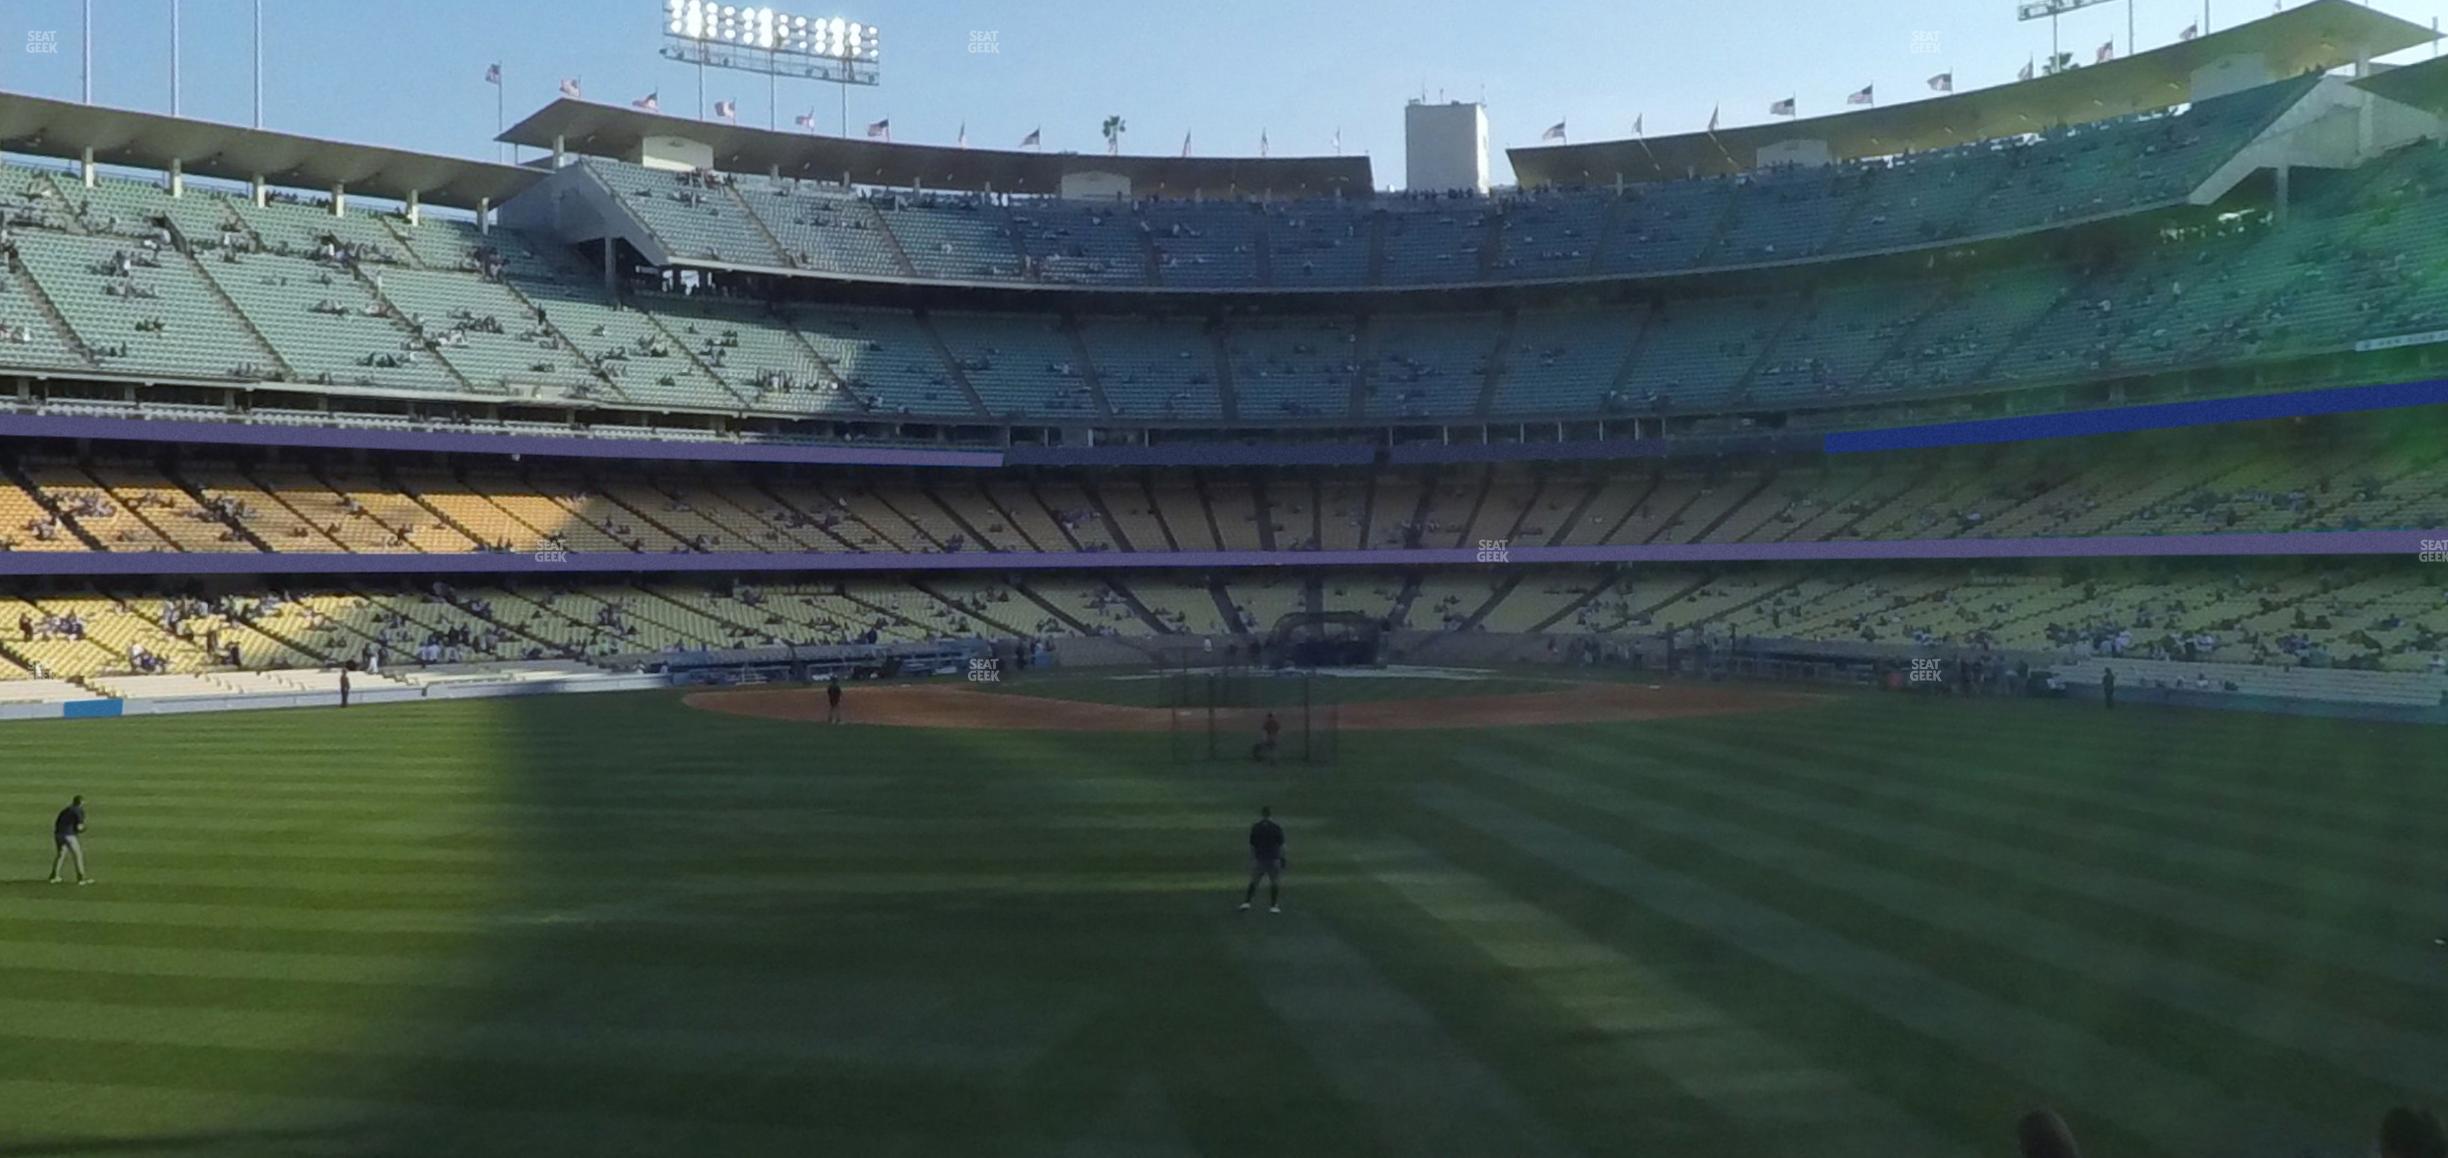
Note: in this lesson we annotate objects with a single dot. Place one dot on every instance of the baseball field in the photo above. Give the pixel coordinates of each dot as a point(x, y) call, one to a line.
point(1741, 923)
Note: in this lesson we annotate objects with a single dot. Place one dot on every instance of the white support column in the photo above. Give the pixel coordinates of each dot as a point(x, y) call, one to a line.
point(178, 178)
point(560, 151)
point(484, 216)
point(255, 186)
point(412, 207)
point(85, 166)
point(339, 200)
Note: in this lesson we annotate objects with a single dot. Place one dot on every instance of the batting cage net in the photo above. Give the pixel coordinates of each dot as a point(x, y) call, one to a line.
point(1224, 714)
point(1323, 639)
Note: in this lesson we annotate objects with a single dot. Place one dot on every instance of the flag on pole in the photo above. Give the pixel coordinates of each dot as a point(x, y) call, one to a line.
point(1637, 118)
point(2107, 52)
point(1030, 141)
point(882, 128)
point(806, 120)
point(962, 141)
point(2026, 74)
point(2191, 30)
point(492, 74)
point(727, 110)
point(1865, 96)
point(1185, 142)
point(1713, 109)
point(1262, 144)
point(569, 88)
point(1555, 132)
point(1783, 108)
point(648, 103)
point(1338, 141)
point(1943, 82)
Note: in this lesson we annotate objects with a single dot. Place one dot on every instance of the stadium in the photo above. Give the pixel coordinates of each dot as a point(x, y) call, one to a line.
point(1858, 634)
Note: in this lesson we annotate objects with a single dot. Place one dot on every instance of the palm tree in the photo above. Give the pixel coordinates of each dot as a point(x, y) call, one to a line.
point(1113, 135)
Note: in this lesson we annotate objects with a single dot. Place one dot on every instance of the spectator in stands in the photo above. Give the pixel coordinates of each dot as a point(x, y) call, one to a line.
point(2042, 1134)
point(2406, 1132)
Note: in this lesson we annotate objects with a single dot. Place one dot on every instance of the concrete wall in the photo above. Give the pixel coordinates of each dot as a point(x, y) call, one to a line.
point(100, 708)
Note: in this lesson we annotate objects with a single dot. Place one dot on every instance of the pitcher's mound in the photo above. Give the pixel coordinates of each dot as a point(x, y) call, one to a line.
point(958, 706)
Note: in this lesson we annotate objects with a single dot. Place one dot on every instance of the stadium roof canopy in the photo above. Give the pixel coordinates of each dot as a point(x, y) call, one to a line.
point(141, 140)
point(2316, 37)
point(602, 130)
point(2424, 85)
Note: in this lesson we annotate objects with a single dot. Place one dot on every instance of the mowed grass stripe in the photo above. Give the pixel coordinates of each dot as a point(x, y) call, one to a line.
point(2251, 927)
point(101, 1116)
point(730, 1047)
point(1383, 1050)
point(2272, 829)
point(1762, 1087)
point(2171, 1109)
point(2143, 849)
point(2239, 760)
point(2380, 1052)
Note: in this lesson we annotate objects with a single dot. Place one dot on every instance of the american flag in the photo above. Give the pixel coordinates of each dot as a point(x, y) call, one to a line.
point(1185, 142)
point(1783, 108)
point(882, 128)
point(492, 74)
point(1555, 132)
point(1636, 124)
point(1943, 82)
point(569, 88)
point(648, 103)
point(1865, 96)
point(727, 110)
point(2107, 52)
point(963, 140)
point(2026, 74)
point(1030, 141)
point(2191, 30)
point(1713, 109)
point(805, 120)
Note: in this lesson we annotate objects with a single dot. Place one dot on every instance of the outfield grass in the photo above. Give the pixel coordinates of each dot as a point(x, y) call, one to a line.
point(596, 925)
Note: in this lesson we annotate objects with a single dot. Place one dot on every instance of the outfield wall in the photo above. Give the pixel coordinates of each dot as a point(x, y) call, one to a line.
point(103, 707)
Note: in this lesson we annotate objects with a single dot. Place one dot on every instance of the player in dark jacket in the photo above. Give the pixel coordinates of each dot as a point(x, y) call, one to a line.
point(67, 840)
point(1266, 840)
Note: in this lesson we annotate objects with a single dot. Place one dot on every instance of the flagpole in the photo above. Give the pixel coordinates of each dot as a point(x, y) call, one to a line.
point(499, 83)
point(259, 63)
point(88, 53)
point(174, 57)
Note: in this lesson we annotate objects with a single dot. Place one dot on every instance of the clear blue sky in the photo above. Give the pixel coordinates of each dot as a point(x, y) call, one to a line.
point(411, 74)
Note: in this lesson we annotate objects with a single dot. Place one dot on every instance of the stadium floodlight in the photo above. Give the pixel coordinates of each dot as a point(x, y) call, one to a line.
point(759, 39)
point(772, 43)
point(2044, 9)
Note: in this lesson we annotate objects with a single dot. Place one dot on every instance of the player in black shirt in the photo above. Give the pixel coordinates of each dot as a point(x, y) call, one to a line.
point(65, 830)
point(833, 700)
point(1266, 860)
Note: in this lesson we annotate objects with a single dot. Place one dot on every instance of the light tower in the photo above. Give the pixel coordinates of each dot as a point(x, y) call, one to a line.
point(775, 44)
